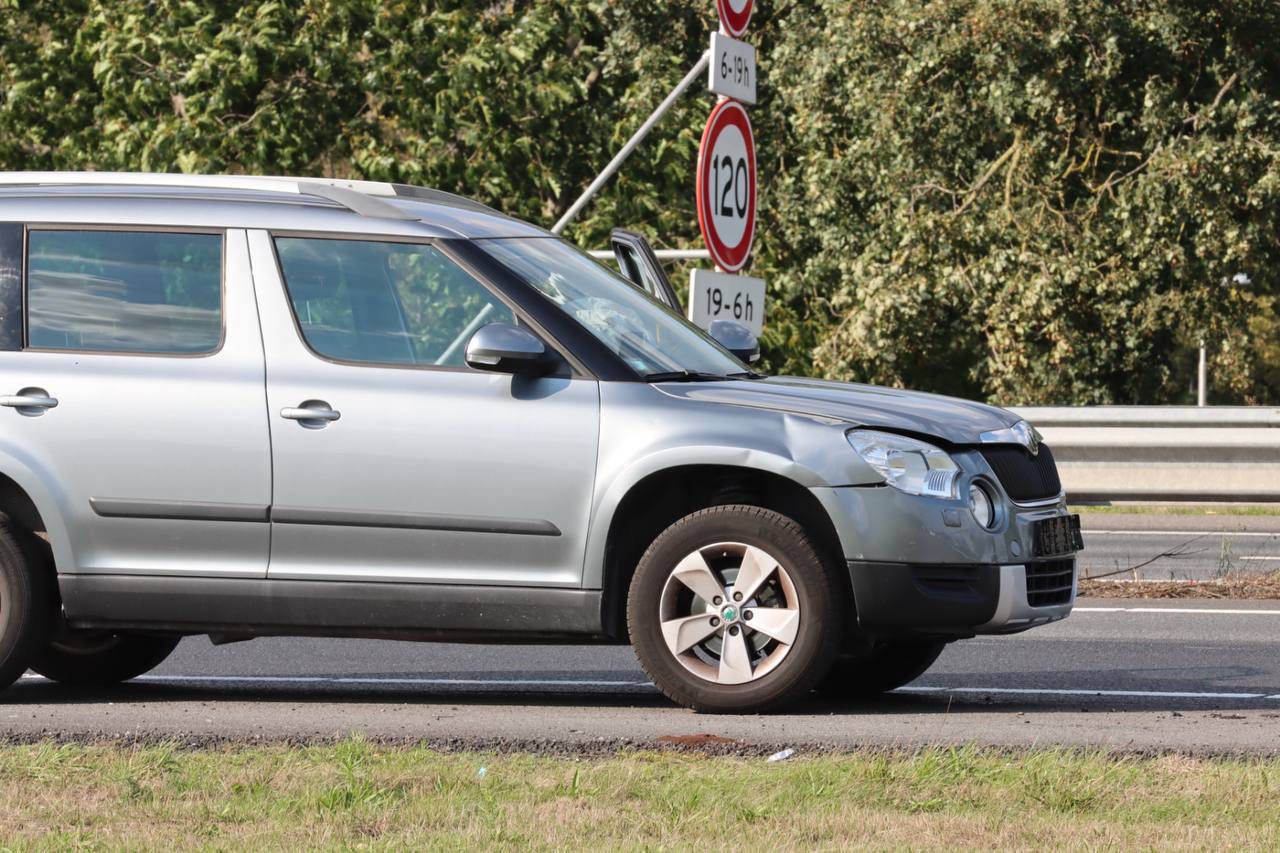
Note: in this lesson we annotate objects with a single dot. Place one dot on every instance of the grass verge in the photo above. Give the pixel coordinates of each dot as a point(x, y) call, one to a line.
point(360, 795)
point(1230, 585)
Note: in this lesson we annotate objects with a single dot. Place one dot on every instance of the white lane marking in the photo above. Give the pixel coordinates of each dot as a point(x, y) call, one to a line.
point(334, 679)
point(1041, 691)
point(555, 682)
point(1218, 611)
point(1273, 534)
point(1258, 558)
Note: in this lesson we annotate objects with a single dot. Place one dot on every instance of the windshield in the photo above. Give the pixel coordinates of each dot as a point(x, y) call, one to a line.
point(645, 334)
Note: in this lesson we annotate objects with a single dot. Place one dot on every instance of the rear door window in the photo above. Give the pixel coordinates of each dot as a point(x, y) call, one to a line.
point(124, 291)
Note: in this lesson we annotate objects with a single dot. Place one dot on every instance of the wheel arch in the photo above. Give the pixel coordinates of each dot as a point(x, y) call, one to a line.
point(19, 507)
point(32, 507)
point(661, 497)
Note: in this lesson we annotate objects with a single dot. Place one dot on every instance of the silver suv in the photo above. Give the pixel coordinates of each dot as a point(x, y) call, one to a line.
point(245, 407)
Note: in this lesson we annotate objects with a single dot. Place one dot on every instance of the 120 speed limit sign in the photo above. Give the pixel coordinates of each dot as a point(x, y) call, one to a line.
point(726, 189)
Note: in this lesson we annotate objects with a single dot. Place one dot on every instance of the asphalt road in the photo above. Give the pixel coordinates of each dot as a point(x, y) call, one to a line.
point(1165, 547)
point(1138, 675)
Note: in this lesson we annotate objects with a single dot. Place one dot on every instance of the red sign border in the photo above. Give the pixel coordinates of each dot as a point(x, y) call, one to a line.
point(734, 24)
point(730, 259)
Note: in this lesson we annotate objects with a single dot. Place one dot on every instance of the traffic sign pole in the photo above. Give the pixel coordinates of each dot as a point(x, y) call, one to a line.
point(635, 140)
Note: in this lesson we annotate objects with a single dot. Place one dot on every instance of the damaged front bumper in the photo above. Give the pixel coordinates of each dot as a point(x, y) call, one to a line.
point(950, 601)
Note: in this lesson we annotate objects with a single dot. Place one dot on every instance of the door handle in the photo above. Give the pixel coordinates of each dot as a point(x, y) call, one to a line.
point(29, 401)
point(312, 414)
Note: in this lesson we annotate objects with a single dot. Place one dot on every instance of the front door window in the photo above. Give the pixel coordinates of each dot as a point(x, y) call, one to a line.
point(387, 303)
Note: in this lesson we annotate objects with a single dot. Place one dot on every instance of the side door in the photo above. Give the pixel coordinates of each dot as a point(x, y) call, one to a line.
point(134, 385)
point(641, 266)
point(394, 461)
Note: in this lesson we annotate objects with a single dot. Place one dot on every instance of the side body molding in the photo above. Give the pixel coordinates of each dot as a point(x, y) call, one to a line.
point(249, 607)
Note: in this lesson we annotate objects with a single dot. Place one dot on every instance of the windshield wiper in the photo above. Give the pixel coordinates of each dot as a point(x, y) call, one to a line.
point(684, 376)
point(748, 374)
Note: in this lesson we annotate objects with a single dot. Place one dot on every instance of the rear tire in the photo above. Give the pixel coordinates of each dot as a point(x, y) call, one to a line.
point(26, 603)
point(879, 668)
point(96, 658)
point(710, 651)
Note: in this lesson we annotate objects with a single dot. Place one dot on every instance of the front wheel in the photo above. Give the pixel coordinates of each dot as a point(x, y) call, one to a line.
point(732, 610)
point(100, 657)
point(869, 670)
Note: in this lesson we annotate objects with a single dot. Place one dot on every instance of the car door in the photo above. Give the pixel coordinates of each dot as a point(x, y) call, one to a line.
point(394, 461)
point(135, 389)
point(639, 264)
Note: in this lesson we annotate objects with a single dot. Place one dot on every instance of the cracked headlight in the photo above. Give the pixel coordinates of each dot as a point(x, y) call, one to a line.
point(907, 464)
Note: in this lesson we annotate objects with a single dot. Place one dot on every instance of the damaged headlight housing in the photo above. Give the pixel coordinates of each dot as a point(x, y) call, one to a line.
point(907, 464)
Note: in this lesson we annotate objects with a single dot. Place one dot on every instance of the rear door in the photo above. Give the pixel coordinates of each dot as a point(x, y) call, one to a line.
point(134, 384)
point(393, 460)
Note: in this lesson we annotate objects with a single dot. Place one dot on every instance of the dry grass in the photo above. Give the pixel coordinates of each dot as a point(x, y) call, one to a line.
point(1176, 509)
point(1230, 585)
point(361, 796)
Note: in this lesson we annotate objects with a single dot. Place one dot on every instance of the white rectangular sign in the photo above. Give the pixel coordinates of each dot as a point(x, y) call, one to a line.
point(720, 296)
point(732, 71)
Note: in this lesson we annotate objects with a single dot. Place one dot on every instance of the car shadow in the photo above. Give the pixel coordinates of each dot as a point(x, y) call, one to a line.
point(919, 699)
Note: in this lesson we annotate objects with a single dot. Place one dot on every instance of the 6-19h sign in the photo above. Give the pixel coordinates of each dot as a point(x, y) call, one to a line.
point(726, 187)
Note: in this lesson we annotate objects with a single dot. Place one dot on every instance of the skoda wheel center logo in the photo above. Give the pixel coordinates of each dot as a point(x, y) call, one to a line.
point(729, 613)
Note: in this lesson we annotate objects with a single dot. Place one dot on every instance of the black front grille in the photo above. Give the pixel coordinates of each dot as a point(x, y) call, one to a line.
point(1024, 477)
point(1050, 582)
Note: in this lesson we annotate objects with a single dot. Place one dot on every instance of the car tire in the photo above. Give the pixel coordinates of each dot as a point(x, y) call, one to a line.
point(709, 652)
point(101, 657)
point(878, 668)
point(26, 602)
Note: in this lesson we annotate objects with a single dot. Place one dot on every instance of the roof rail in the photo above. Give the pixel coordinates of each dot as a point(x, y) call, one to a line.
point(385, 188)
point(356, 196)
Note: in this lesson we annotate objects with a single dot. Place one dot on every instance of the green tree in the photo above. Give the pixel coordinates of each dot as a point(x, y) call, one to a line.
point(1033, 201)
point(1022, 200)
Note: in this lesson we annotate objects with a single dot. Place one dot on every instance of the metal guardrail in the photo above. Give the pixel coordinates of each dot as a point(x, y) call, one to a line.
point(662, 254)
point(1163, 453)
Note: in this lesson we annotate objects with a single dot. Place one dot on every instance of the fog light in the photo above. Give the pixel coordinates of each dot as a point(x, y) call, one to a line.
point(980, 505)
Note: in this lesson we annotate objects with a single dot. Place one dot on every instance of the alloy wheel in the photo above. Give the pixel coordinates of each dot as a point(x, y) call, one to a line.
point(729, 613)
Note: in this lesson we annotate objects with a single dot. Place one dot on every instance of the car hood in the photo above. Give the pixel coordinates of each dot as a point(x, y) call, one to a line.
point(949, 418)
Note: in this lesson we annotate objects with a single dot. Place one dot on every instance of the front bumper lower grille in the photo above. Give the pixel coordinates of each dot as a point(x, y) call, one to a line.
point(1024, 477)
point(1050, 582)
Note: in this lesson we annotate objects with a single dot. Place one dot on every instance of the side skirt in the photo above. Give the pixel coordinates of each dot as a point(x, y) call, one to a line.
point(251, 607)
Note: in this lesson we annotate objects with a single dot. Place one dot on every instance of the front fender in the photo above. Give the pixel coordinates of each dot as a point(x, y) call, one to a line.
point(644, 432)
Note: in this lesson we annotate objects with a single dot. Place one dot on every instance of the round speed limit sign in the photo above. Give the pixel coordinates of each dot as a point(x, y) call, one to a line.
point(726, 191)
point(734, 15)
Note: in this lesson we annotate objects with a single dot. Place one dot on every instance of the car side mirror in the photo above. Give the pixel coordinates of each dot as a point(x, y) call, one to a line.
point(504, 348)
point(737, 339)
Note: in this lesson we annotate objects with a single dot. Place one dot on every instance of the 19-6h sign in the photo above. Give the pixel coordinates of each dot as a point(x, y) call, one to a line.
point(726, 188)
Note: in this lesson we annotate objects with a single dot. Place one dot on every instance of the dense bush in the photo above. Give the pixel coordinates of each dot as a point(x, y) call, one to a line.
point(1037, 201)
point(1025, 200)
